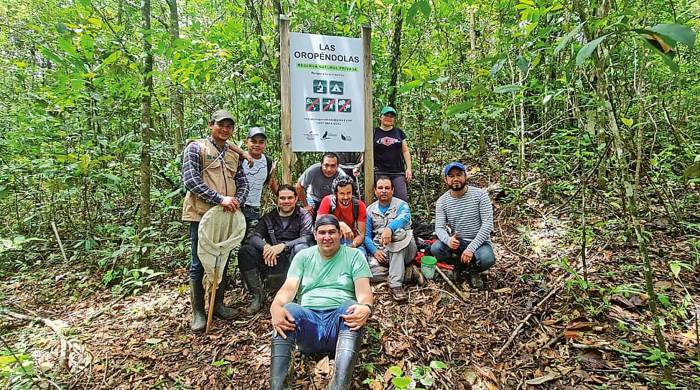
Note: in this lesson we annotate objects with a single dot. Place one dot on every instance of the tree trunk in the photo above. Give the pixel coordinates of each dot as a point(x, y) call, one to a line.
point(176, 98)
point(395, 59)
point(145, 204)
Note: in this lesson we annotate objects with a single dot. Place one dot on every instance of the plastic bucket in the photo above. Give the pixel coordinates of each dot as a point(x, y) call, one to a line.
point(427, 266)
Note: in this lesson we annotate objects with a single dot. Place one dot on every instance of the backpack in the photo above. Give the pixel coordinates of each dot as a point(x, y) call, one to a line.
point(355, 209)
point(268, 161)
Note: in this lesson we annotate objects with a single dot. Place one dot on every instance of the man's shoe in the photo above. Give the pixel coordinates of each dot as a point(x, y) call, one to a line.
point(255, 286)
point(221, 311)
point(199, 318)
point(399, 294)
point(413, 275)
point(476, 281)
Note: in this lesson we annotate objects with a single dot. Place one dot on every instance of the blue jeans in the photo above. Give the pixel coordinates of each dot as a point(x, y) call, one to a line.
point(361, 248)
point(483, 257)
point(316, 330)
point(197, 269)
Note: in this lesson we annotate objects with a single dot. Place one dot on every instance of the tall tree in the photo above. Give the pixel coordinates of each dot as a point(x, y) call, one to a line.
point(146, 119)
point(176, 98)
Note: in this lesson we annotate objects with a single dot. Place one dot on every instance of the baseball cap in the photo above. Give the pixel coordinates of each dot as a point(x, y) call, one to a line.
point(454, 164)
point(386, 110)
point(256, 131)
point(220, 115)
point(327, 219)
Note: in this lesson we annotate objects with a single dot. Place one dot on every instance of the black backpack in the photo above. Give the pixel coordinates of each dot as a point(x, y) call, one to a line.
point(268, 161)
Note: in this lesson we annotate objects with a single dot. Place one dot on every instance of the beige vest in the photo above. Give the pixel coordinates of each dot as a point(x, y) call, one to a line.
point(217, 174)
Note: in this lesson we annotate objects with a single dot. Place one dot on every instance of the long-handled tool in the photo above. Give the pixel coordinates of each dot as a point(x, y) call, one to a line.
point(212, 296)
point(457, 290)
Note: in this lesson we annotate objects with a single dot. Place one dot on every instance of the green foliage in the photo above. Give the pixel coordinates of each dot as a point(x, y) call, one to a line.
point(16, 371)
point(420, 377)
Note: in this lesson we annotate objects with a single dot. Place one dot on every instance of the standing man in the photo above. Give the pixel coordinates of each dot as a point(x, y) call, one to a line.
point(212, 175)
point(261, 173)
point(281, 234)
point(351, 163)
point(350, 211)
point(334, 301)
point(391, 155)
point(317, 181)
point(463, 224)
point(389, 239)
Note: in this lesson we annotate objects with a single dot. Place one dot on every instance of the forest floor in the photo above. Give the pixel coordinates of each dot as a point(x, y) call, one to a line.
point(598, 337)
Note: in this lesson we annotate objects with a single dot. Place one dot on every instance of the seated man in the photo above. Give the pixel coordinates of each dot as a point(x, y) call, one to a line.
point(467, 212)
point(389, 239)
point(280, 235)
point(350, 211)
point(317, 182)
point(334, 302)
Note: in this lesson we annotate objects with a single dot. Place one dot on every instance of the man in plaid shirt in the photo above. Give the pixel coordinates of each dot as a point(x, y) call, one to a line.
point(212, 175)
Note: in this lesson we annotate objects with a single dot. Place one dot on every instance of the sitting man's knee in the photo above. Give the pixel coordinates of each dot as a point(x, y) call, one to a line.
point(439, 250)
point(485, 257)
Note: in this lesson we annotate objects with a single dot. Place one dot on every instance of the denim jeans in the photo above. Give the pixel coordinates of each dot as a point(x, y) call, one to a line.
point(252, 216)
point(316, 330)
point(361, 248)
point(483, 257)
point(196, 268)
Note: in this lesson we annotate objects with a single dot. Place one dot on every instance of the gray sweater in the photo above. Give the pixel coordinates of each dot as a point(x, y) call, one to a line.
point(470, 216)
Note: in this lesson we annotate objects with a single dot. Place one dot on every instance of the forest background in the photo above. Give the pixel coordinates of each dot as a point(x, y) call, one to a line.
point(583, 111)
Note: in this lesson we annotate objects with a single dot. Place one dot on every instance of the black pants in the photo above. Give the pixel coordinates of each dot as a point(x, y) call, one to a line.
point(251, 258)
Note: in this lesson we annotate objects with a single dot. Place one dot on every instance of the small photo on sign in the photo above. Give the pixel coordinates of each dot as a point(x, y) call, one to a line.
point(336, 87)
point(313, 104)
point(320, 86)
point(344, 105)
point(328, 105)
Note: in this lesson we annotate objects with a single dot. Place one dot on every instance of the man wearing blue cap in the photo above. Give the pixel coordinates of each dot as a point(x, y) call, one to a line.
point(463, 224)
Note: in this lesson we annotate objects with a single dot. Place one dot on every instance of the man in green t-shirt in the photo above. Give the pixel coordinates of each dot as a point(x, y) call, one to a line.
point(334, 301)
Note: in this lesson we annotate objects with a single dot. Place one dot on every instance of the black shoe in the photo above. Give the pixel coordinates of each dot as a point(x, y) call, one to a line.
point(255, 286)
point(199, 318)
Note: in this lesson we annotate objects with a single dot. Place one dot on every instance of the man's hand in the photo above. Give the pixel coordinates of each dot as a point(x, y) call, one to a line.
point(356, 171)
point(282, 320)
point(381, 256)
point(385, 238)
point(409, 175)
point(467, 256)
point(271, 252)
point(229, 203)
point(356, 242)
point(345, 231)
point(248, 158)
point(454, 242)
point(356, 317)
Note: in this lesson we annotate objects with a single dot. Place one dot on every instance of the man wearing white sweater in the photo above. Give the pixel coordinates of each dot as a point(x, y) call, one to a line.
point(463, 224)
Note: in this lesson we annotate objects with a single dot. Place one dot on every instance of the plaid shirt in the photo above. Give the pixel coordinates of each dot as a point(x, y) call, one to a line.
point(192, 176)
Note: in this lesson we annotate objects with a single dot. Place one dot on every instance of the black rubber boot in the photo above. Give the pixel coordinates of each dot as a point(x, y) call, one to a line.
point(280, 361)
point(275, 281)
point(199, 318)
point(345, 355)
point(221, 311)
point(255, 286)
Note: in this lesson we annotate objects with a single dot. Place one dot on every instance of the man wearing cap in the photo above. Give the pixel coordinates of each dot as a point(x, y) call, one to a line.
point(261, 173)
point(317, 182)
point(350, 211)
point(391, 155)
point(281, 234)
point(389, 240)
point(212, 175)
point(334, 302)
point(463, 224)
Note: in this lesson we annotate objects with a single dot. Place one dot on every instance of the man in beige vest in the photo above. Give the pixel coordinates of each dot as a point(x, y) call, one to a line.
point(212, 174)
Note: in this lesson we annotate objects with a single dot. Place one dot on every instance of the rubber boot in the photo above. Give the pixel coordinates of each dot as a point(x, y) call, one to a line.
point(275, 281)
point(221, 311)
point(199, 318)
point(345, 355)
point(280, 361)
point(255, 286)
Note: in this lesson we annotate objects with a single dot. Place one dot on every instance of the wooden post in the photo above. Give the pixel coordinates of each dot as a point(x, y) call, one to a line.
point(369, 134)
point(285, 101)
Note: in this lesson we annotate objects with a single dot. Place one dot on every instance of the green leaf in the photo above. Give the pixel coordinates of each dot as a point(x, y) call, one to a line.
point(510, 88)
point(459, 107)
point(401, 382)
point(111, 58)
point(627, 121)
point(395, 371)
point(677, 32)
point(588, 49)
point(219, 363)
point(410, 85)
point(424, 6)
point(522, 64)
point(675, 268)
point(567, 38)
point(437, 365)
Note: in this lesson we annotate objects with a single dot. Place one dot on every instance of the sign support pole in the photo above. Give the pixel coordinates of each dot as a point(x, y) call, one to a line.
point(285, 101)
point(369, 134)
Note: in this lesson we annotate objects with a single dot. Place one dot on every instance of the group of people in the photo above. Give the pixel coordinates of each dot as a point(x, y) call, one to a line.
point(321, 246)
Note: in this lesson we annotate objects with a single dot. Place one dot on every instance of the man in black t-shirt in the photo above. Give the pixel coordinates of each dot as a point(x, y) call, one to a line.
point(391, 155)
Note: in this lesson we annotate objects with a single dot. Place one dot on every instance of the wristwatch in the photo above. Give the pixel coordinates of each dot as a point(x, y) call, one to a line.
point(370, 306)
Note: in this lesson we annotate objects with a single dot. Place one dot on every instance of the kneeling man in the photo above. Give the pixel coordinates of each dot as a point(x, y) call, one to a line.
point(281, 234)
point(333, 305)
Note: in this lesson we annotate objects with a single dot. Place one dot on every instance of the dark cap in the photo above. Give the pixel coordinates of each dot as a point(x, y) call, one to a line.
point(256, 131)
point(387, 110)
point(327, 219)
point(220, 115)
point(454, 164)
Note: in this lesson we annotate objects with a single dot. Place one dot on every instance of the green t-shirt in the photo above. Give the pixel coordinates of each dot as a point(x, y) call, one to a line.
point(327, 284)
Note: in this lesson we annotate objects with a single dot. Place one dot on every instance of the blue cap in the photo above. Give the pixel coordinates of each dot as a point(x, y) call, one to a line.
point(454, 164)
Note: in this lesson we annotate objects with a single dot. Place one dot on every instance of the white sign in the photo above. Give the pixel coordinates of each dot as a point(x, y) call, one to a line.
point(327, 93)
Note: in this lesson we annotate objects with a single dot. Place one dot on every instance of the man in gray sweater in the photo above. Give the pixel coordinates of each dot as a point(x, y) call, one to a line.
point(463, 224)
